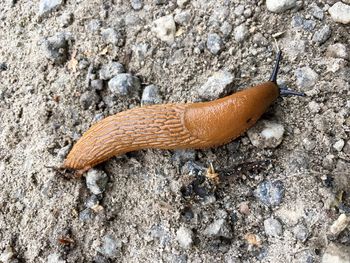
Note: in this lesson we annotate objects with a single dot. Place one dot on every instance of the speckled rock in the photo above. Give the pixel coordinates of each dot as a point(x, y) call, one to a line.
point(124, 84)
point(56, 48)
point(336, 253)
point(183, 18)
point(164, 28)
point(89, 98)
point(322, 35)
point(47, 6)
point(217, 85)
point(270, 193)
point(214, 43)
point(306, 78)
point(340, 12)
point(150, 95)
point(240, 33)
point(279, 6)
point(273, 227)
point(219, 228)
point(110, 70)
point(266, 134)
point(337, 50)
point(301, 232)
point(184, 237)
point(317, 12)
point(96, 181)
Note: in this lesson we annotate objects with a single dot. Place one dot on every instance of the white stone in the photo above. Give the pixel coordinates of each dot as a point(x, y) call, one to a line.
point(339, 225)
point(339, 145)
point(266, 134)
point(340, 13)
point(54, 258)
point(164, 28)
point(182, 3)
point(216, 85)
point(336, 253)
point(46, 6)
point(278, 6)
point(184, 237)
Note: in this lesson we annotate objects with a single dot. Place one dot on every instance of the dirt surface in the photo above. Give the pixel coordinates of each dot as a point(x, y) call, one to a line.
point(266, 205)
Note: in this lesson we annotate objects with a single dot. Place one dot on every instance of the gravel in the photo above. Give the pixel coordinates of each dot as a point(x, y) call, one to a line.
point(150, 95)
point(185, 237)
point(214, 43)
point(124, 84)
point(338, 145)
point(136, 4)
point(306, 78)
point(270, 193)
point(337, 50)
point(217, 85)
point(112, 36)
point(164, 28)
point(322, 35)
point(183, 18)
point(97, 84)
point(301, 232)
point(56, 48)
point(110, 246)
point(96, 181)
point(279, 6)
point(47, 6)
point(339, 225)
point(317, 12)
point(336, 253)
point(266, 134)
point(340, 13)
point(89, 99)
point(111, 70)
point(240, 33)
point(273, 227)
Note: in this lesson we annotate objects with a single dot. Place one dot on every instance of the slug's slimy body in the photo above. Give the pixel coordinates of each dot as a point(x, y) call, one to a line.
point(173, 126)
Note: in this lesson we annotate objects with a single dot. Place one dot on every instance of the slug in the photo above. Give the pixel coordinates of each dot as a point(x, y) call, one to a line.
point(175, 126)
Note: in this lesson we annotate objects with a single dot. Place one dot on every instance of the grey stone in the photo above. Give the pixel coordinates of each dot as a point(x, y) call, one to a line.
point(136, 4)
point(183, 18)
point(218, 84)
point(340, 13)
point(241, 33)
point(248, 13)
point(124, 84)
point(214, 43)
point(298, 21)
point(301, 233)
point(92, 201)
point(96, 181)
point(219, 228)
point(63, 152)
point(56, 48)
point(260, 40)
point(182, 3)
point(97, 84)
point(266, 134)
point(86, 215)
point(226, 28)
point(279, 6)
point(161, 2)
point(7, 255)
point(338, 145)
point(94, 25)
point(159, 232)
point(47, 6)
point(273, 227)
point(112, 36)
point(89, 98)
point(317, 12)
point(270, 193)
point(150, 95)
point(184, 237)
point(164, 28)
point(3, 66)
point(306, 78)
point(337, 50)
point(336, 253)
point(322, 35)
point(239, 10)
point(110, 246)
point(66, 19)
point(111, 70)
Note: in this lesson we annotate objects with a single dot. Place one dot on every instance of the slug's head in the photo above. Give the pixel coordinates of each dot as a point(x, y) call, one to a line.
point(284, 91)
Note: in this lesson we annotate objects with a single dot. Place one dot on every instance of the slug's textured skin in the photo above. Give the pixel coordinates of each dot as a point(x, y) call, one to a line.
point(172, 126)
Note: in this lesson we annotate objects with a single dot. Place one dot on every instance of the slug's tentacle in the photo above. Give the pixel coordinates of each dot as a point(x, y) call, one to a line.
point(274, 74)
point(284, 91)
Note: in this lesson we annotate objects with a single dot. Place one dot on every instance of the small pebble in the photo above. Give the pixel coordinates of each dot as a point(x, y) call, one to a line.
point(272, 227)
point(46, 6)
point(182, 3)
point(340, 13)
point(239, 10)
point(96, 181)
point(136, 4)
point(150, 95)
point(308, 144)
point(54, 258)
point(260, 40)
point(66, 19)
point(110, 246)
point(86, 215)
point(97, 84)
point(240, 33)
point(111, 36)
point(214, 43)
point(322, 35)
point(317, 12)
point(94, 25)
point(279, 6)
point(306, 78)
point(111, 70)
point(226, 28)
point(161, 2)
point(164, 28)
point(301, 233)
point(266, 134)
point(270, 193)
point(7, 255)
point(219, 228)
point(89, 98)
point(56, 48)
point(337, 50)
point(184, 237)
point(183, 18)
point(124, 84)
point(92, 201)
point(217, 85)
point(338, 146)
point(63, 152)
point(3, 66)
point(336, 253)
point(339, 225)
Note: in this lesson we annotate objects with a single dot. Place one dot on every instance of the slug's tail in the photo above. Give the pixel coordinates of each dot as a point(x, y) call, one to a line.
point(284, 91)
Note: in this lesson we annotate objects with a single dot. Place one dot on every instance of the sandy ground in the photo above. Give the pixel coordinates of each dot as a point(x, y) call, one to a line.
point(273, 204)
